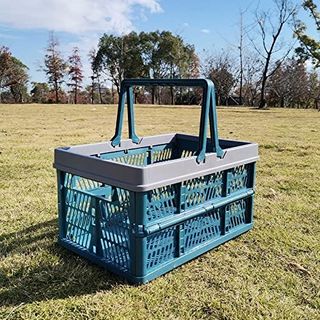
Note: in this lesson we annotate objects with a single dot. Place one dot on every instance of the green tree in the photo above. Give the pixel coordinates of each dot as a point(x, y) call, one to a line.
point(309, 47)
point(96, 77)
point(13, 76)
point(119, 57)
point(39, 92)
point(172, 58)
point(219, 70)
point(155, 54)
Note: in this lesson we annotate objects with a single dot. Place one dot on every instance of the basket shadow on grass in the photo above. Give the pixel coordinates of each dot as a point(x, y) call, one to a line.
point(44, 270)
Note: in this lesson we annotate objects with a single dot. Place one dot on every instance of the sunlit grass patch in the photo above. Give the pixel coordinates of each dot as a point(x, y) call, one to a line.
point(270, 272)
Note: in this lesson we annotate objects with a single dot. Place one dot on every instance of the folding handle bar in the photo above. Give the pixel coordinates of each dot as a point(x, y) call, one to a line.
point(208, 110)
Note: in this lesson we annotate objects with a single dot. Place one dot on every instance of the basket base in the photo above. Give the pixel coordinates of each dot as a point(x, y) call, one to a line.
point(164, 268)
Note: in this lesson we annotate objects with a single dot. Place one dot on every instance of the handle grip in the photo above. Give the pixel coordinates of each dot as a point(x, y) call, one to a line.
point(208, 110)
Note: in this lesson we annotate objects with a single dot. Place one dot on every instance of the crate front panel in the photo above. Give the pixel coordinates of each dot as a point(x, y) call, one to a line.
point(101, 219)
point(168, 244)
point(169, 200)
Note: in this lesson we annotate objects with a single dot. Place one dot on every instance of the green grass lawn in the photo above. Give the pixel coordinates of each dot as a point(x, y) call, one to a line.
point(272, 272)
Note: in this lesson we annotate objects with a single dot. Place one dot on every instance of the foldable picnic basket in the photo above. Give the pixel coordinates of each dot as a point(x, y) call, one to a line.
point(141, 207)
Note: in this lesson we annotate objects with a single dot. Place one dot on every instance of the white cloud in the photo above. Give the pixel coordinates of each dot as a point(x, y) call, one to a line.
point(85, 20)
point(205, 30)
point(73, 16)
point(185, 24)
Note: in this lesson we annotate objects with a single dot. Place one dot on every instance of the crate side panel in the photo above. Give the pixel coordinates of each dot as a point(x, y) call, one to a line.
point(236, 214)
point(141, 156)
point(202, 229)
point(161, 248)
point(114, 204)
point(161, 203)
point(115, 229)
point(79, 218)
point(200, 190)
point(239, 178)
point(170, 243)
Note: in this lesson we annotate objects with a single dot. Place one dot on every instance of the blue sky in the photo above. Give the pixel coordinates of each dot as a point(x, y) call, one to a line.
point(25, 25)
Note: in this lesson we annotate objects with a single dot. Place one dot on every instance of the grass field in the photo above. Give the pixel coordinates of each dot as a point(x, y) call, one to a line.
point(272, 272)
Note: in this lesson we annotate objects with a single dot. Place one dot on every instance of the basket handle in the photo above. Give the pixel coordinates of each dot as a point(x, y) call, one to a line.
point(208, 111)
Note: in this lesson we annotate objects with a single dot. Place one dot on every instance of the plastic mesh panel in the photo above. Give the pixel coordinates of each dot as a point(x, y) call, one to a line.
point(160, 247)
point(79, 218)
point(138, 159)
point(200, 190)
point(114, 225)
point(188, 153)
point(202, 229)
point(115, 234)
point(161, 202)
point(161, 155)
point(143, 156)
point(85, 184)
point(237, 179)
point(235, 214)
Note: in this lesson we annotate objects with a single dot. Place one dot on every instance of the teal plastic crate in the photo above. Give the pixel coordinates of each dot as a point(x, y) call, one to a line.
point(141, 207)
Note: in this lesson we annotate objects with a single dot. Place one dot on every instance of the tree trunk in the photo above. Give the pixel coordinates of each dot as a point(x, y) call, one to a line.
point(282, 102)
point(76, 94)
point(262, 102)
point(118, 89)
point(284, 15)
point(172, 95)
point(240, 89)
point(99, 89)
point(92, 89)
point(56, 90)
point(112, 94)
point(100, 93)
point(241, 59)
point(153, 93)
point(92, 95)
point(135, 96)
point(159, 95)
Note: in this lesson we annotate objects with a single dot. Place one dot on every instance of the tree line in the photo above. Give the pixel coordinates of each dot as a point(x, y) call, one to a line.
point(265, 68)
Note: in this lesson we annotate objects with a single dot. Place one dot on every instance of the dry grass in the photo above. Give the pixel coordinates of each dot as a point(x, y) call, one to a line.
point(272, 272)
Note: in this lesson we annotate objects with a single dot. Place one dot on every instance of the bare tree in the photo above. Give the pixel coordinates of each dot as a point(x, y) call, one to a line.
point(75, 73)
point(314, 90)
point(54, 65)
point(252, 69)
point(94, 74)
point(241, 48)
point(289, 85)
point(271, 25)
point(220, 69)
